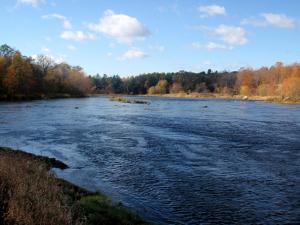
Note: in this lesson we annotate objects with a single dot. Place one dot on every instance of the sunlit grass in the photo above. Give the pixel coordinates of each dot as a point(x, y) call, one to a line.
point(30, 194)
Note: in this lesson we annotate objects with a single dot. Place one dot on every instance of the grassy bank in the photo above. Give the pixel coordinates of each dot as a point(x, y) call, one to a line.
point(274, 99)
point(30, 194)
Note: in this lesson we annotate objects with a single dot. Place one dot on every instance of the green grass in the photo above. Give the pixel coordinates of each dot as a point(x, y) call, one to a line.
point(100, 210)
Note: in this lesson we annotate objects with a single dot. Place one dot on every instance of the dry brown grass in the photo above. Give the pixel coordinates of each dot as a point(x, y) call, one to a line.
point(29, 194)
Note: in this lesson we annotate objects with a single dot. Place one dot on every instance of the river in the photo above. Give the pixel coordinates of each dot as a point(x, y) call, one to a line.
point(175, 161)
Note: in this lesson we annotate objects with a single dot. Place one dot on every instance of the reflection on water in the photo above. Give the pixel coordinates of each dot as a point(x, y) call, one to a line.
point(173, 161)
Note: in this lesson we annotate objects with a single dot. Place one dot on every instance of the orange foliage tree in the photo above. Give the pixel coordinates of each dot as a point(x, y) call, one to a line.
point(278, 80)
point(245, 81)
point(176, 88)
point(19, 78)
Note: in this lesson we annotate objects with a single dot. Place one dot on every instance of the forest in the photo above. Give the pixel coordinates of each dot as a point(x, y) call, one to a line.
point(27, 77)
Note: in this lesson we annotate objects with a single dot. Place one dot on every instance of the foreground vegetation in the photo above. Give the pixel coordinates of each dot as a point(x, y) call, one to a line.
point(30, 194)
point(24, 77)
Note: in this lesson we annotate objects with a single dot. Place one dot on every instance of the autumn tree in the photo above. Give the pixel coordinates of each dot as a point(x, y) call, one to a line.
point(245, 81)
point(19, 78)
point(291, 87)
point(160, 88)
point(3, 67)
point(78, 83)
point(176, 88)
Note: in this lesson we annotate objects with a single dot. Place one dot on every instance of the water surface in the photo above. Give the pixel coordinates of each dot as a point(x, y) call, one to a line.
point(173, 161)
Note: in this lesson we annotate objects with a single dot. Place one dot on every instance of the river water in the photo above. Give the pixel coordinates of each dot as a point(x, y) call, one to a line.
point(175, 161)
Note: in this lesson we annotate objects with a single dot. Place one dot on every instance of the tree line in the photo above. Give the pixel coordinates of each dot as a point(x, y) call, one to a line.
point(163, 83)
point(278, 81)
point(25, 76)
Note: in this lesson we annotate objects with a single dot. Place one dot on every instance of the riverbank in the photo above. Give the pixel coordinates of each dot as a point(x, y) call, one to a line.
point(30, 193)
point(272, 99)
point(38, 97)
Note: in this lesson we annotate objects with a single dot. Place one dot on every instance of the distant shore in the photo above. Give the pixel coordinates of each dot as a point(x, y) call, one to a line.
point(30, 194)
point(38, 97)
point(272, 99)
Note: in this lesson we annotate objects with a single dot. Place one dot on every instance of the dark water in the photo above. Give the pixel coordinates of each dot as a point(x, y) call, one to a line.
point(174, 161)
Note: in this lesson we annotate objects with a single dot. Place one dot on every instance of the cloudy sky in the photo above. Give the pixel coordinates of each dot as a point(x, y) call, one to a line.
point(129, 37)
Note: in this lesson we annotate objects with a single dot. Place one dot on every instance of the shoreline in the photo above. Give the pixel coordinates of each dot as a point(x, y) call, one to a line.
point(20, 98)
point(31, 192)
point(269, 99)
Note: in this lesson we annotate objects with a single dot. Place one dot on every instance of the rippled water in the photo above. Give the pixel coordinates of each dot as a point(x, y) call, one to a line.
point(174, 161)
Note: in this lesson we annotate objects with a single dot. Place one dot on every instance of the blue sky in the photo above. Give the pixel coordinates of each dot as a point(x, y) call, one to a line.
point(128, 37)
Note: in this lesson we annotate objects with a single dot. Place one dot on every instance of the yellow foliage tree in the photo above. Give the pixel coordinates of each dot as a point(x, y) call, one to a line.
point(151, 90)
point(245, 90)
point(291, 88)
point(19, 77)
point(176, 88)
point(262, 90)
point(160, 88)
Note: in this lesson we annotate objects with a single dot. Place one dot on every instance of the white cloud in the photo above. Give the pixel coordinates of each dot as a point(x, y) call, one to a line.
point(121, 27)
point(132, 54)
point(211, 10)
point(271, 19)
point(33, 3)
point(77, 35)
point(71, 48)
point(231, 35)
point(66, 23)
point(211, 46)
